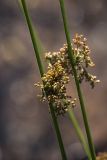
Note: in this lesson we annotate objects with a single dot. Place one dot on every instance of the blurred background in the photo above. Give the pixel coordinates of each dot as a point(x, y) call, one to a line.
point(26, 131)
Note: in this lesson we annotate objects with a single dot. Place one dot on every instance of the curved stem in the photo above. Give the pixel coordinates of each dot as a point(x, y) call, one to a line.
point(70, 54)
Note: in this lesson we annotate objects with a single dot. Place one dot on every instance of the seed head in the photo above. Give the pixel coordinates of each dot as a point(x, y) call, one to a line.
point(59, 69)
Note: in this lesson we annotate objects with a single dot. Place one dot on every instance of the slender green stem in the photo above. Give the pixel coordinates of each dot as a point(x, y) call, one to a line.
point(79, 132)
point(64, 157)
point(37, 53)
point(32, 34)
point(90, 142)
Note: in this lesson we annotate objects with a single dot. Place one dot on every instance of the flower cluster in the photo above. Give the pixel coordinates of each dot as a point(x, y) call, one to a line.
point(83, 60)
point(54, 85)
point(59, 69)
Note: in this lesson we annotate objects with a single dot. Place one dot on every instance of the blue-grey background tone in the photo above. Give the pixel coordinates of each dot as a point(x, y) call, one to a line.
point(26, 131)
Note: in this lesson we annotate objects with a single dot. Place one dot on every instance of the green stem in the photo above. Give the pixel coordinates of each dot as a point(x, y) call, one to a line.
point(70, 53)
point(37, 53)
point(79, 132)
point(64, 157)
point(32, 34)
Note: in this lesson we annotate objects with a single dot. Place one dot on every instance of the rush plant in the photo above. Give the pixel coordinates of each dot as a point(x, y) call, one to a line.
point(73, 59)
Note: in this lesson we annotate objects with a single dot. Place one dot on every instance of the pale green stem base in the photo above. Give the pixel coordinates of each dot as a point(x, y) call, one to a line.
point(79, 132)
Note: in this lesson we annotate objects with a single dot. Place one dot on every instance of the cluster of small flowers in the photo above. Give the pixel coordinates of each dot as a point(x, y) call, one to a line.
point(54, 85)
point(60, 57)
point(59, 69)
point(55, 81)
point(83, 60)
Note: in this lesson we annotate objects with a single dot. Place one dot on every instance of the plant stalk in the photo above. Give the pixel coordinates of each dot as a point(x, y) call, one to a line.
point(70, 54)
point(79, 133)
point(37, 53)
point(32, 34)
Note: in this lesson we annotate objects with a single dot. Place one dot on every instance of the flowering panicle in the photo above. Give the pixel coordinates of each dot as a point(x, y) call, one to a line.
point(54, 84)
point(83, 60)
point(59, 69)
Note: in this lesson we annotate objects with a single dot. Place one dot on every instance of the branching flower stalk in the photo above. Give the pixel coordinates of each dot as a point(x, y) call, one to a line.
point(36, 49)
point(72, 60)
